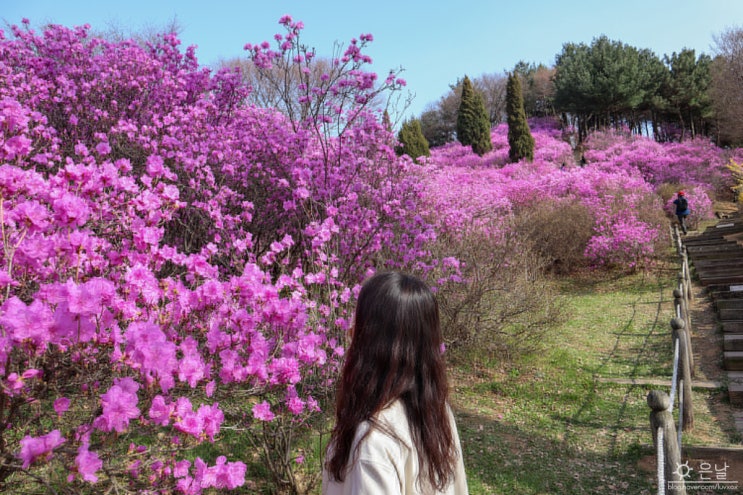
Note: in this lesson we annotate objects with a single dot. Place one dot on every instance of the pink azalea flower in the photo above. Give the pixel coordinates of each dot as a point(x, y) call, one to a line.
point(212, 418)
point(61, 405)
point(154, 166)
point(33, 448)
point(15, 383)
point(15, 147)
point(13, 116)
point(27, 323)
point(284, 370)
point(6, 279)
point(182, 407)
point(88, 298)
point(224, 475)
point(71, 211)
point(191, 424)
point(103, 148)
point(160, 411)
point(32, 215)
point(181, 468)
point(150, 351)
point(127, 384)
point(119, 408)
point(210, 388)
point(295, 405)
point(263, 412)
point(312, 404)
point(88, 463)
point(191, 367)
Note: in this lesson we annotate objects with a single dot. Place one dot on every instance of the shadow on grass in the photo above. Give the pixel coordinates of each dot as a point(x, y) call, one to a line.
point(502, 458)
point(640, 354)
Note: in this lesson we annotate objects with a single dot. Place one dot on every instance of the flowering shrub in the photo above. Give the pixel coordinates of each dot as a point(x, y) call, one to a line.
point(622, 186)
point(178, 265)
point(691, 162)
point(169, 250)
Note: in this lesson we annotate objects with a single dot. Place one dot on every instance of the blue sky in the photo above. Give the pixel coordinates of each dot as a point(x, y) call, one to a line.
point(434, 42)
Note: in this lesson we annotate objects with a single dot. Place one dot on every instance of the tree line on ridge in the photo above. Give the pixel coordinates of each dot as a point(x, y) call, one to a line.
point(610, 84)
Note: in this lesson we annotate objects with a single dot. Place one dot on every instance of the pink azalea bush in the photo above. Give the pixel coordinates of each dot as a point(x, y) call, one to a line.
point(620, 185)
point(690, 162)
point(176, 261)
point(168, 248)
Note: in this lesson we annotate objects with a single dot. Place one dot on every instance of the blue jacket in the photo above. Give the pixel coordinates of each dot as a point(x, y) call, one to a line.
point(679, 210)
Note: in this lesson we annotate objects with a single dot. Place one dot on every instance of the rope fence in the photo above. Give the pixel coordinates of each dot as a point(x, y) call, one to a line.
point(666, 435)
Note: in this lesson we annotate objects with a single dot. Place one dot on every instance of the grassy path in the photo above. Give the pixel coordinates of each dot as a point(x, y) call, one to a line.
point(557, 423)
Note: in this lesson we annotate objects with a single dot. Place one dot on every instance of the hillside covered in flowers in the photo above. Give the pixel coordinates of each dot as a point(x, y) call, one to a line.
point(178, 266)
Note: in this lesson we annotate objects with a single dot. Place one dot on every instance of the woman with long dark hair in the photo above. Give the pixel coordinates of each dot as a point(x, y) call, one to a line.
point(394, 431)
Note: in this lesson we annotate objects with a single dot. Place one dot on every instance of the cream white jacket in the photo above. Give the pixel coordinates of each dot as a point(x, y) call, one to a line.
point(389, 466)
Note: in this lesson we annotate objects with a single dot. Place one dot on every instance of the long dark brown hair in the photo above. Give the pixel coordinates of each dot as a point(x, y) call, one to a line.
point(395, 353)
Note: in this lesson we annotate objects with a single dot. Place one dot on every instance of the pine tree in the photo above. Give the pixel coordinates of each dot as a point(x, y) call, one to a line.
point(412, 141)
point(520, 140)
point(473, 125)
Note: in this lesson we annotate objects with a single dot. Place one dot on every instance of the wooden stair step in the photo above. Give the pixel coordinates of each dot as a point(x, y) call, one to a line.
point(730, 314)
point(721, 279)
point(732, 342)
point(735, 387)
point(732, 326)
point(725, 291)
point(733, 360)
point(729, 303)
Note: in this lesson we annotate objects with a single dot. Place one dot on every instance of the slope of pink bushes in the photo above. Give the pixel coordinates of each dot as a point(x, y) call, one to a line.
point(167, 247)
point(622, 179)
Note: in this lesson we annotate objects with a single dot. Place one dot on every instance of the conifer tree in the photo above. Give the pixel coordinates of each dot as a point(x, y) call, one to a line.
point(520, 140)
point(473, 125)
point(412, 141)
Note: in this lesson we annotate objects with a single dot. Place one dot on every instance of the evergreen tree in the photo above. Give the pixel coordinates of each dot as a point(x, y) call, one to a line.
point(473, 125)
point(607, 84)
point(412, 141)
point(687, 89)
point(520, 140)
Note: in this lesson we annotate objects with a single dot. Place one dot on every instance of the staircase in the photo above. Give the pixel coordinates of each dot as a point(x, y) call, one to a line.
point(716, 257)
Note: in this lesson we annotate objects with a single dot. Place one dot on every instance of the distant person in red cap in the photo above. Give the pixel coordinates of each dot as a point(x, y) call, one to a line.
point(682, 209)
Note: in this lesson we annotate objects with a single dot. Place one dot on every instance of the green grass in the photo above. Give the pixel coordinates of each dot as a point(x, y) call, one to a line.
point(554, 422)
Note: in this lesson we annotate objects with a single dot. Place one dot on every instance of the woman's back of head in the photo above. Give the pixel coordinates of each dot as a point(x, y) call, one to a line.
point(395, 354)
point(396, 333)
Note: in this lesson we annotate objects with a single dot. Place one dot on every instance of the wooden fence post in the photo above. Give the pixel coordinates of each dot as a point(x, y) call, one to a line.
point(687, 275)
point(683, 310)
point(684, 372)
point(661, 417)
point(679, 244)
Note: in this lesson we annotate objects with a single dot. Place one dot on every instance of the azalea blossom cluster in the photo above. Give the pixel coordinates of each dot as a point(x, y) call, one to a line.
point(177, 263)
point(619, 184)
point(167, 247)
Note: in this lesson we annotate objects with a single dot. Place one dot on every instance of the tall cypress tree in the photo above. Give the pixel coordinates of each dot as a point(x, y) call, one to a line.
point(520, 140)
point(473, 125)
point(387, 121)
point(412, 141)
